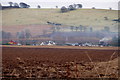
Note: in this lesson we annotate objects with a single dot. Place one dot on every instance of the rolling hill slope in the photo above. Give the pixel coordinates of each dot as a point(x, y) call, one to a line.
point(85, 17)
point(40, 16)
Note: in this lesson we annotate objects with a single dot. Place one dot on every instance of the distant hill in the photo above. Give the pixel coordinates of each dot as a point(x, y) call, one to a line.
point(97, 18)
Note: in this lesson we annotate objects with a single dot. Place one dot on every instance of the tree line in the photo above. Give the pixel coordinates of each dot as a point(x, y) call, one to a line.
point(25, 34)
point(80, 28)
point(15, 5)
point(71, 7)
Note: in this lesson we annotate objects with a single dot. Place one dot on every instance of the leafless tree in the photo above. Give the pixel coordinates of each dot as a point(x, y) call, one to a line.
point(76, 28)
point(72, 28)
point(91, 29)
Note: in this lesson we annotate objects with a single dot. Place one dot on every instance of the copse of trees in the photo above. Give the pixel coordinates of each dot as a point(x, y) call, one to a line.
point(71, 7)
point(24, 5)
point(14, 5)
point(11, 3)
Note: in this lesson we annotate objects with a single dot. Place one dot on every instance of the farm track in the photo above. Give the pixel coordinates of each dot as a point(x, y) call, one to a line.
point(58, 62)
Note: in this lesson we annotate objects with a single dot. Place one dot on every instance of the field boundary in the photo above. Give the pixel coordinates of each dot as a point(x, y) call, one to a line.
point(64, 47)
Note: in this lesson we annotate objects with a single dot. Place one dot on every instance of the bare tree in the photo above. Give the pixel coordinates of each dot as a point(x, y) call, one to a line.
point(72, 28)
point(6, 35)
point(84, 29)
point(91, 29)
point(76, 28)
point(27, 33)
point(22, 35)
point(81, 28)
point(58, 28)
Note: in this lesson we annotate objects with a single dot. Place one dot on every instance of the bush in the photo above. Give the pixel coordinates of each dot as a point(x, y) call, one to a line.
point(93, 7)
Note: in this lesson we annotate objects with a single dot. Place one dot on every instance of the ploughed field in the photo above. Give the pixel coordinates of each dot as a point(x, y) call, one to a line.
point(26, 62)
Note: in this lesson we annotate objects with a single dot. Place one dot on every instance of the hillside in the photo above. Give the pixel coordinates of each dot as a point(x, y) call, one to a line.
point(41, 16)
point(86, 17)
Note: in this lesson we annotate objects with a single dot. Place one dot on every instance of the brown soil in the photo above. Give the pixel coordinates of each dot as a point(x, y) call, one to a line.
point(59, 62)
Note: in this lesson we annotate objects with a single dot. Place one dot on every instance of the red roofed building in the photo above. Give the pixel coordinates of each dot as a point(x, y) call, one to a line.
point(12, 42)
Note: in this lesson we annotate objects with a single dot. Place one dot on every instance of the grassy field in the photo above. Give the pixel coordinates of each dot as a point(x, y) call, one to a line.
point(87, 17)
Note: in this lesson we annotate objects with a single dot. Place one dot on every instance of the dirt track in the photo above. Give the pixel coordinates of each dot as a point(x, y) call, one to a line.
point(14, 57)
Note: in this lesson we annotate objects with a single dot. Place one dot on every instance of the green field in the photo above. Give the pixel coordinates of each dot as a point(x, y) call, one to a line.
point(85, 17)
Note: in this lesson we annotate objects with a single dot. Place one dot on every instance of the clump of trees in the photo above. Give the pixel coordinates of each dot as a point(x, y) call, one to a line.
point(117, 20)
point(81, 28)
point(24, 5)
point(71, 7)
point(16, 5)
point(11, 3)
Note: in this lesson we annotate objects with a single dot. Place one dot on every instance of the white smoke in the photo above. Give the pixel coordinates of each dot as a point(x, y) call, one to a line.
point(105, 39)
